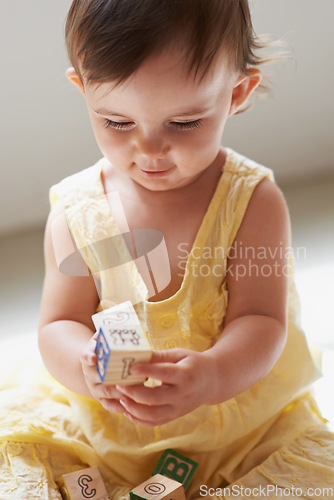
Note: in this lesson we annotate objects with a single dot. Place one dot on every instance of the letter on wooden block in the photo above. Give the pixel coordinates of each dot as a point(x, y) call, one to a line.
point(83, 484)
point(121, 343)
point(176, 466)
point(158, 487)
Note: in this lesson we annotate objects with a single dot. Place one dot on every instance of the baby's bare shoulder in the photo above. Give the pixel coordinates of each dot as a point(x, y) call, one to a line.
point(267, 214)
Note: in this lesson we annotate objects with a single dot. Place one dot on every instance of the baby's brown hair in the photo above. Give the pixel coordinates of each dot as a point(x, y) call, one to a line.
point(107, 40)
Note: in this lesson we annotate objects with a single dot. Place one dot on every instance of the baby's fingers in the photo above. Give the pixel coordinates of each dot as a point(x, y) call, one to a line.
point(91, 374)
point(146, 415)
point(165, 372)
point(88, 355)
point(108, 396)
point(163, 366)
point(88, 358)
point(151, 396)
point(111, 405)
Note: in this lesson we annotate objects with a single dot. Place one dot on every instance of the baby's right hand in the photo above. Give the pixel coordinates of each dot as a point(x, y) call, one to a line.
point(107, 395)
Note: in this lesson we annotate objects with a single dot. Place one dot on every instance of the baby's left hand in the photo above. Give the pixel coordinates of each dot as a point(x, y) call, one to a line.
point(188, 381)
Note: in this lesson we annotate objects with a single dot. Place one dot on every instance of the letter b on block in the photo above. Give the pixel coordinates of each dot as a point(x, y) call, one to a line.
point(176, 466)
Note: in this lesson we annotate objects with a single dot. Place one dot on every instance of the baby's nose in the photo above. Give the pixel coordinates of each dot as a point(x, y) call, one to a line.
point(152, 146)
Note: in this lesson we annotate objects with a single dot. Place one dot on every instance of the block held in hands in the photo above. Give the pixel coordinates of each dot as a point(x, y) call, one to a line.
point(121, 343)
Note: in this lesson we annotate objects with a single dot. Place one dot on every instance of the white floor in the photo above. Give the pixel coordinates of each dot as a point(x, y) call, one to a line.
point(312, 218)
point(21, 279)
point(312, 215)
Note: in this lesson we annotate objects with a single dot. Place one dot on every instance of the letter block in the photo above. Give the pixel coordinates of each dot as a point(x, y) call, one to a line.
point(176, 466)
point(83, 484)
point(121, 343)
point(158, 487)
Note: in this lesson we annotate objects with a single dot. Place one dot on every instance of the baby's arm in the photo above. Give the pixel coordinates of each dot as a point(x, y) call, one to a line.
point(254, 330)
point(255, 325)
point(66, 330)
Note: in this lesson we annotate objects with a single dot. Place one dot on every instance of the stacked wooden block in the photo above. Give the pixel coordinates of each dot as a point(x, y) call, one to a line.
point(158, 487)
point(121, 343)
point(169, 480)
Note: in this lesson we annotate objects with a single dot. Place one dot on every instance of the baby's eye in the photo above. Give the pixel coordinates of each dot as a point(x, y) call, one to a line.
point(118, 125)
point(187, 125)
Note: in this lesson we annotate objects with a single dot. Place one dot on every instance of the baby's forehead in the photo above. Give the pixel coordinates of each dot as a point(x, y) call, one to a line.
point(154, 97)
point(167, 67)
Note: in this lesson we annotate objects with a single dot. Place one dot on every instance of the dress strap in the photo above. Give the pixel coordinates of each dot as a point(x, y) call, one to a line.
point(244, 176)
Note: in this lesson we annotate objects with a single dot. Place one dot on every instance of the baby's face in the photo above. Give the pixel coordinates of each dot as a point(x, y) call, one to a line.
point(162, 127)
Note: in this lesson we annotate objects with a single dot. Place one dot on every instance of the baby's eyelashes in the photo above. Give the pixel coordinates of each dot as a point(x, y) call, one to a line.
point(119, 125)
point(128, 125)
point(187, 125)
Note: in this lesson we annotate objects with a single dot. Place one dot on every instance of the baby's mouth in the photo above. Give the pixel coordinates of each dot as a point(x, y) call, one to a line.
point(153, 172)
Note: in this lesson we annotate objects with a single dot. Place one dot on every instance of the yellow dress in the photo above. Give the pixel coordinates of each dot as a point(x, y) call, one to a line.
point(270, 435)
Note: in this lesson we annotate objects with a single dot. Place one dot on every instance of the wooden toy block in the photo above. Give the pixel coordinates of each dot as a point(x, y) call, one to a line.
point(176, 466)
point(121, 343)
point(158, 487)
point(83, 484)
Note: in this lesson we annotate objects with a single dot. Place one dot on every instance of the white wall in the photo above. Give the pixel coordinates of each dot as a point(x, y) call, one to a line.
point(45, 133)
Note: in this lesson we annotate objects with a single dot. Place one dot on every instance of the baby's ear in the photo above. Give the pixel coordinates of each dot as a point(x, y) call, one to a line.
point(73, 76)
point(243, 88)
